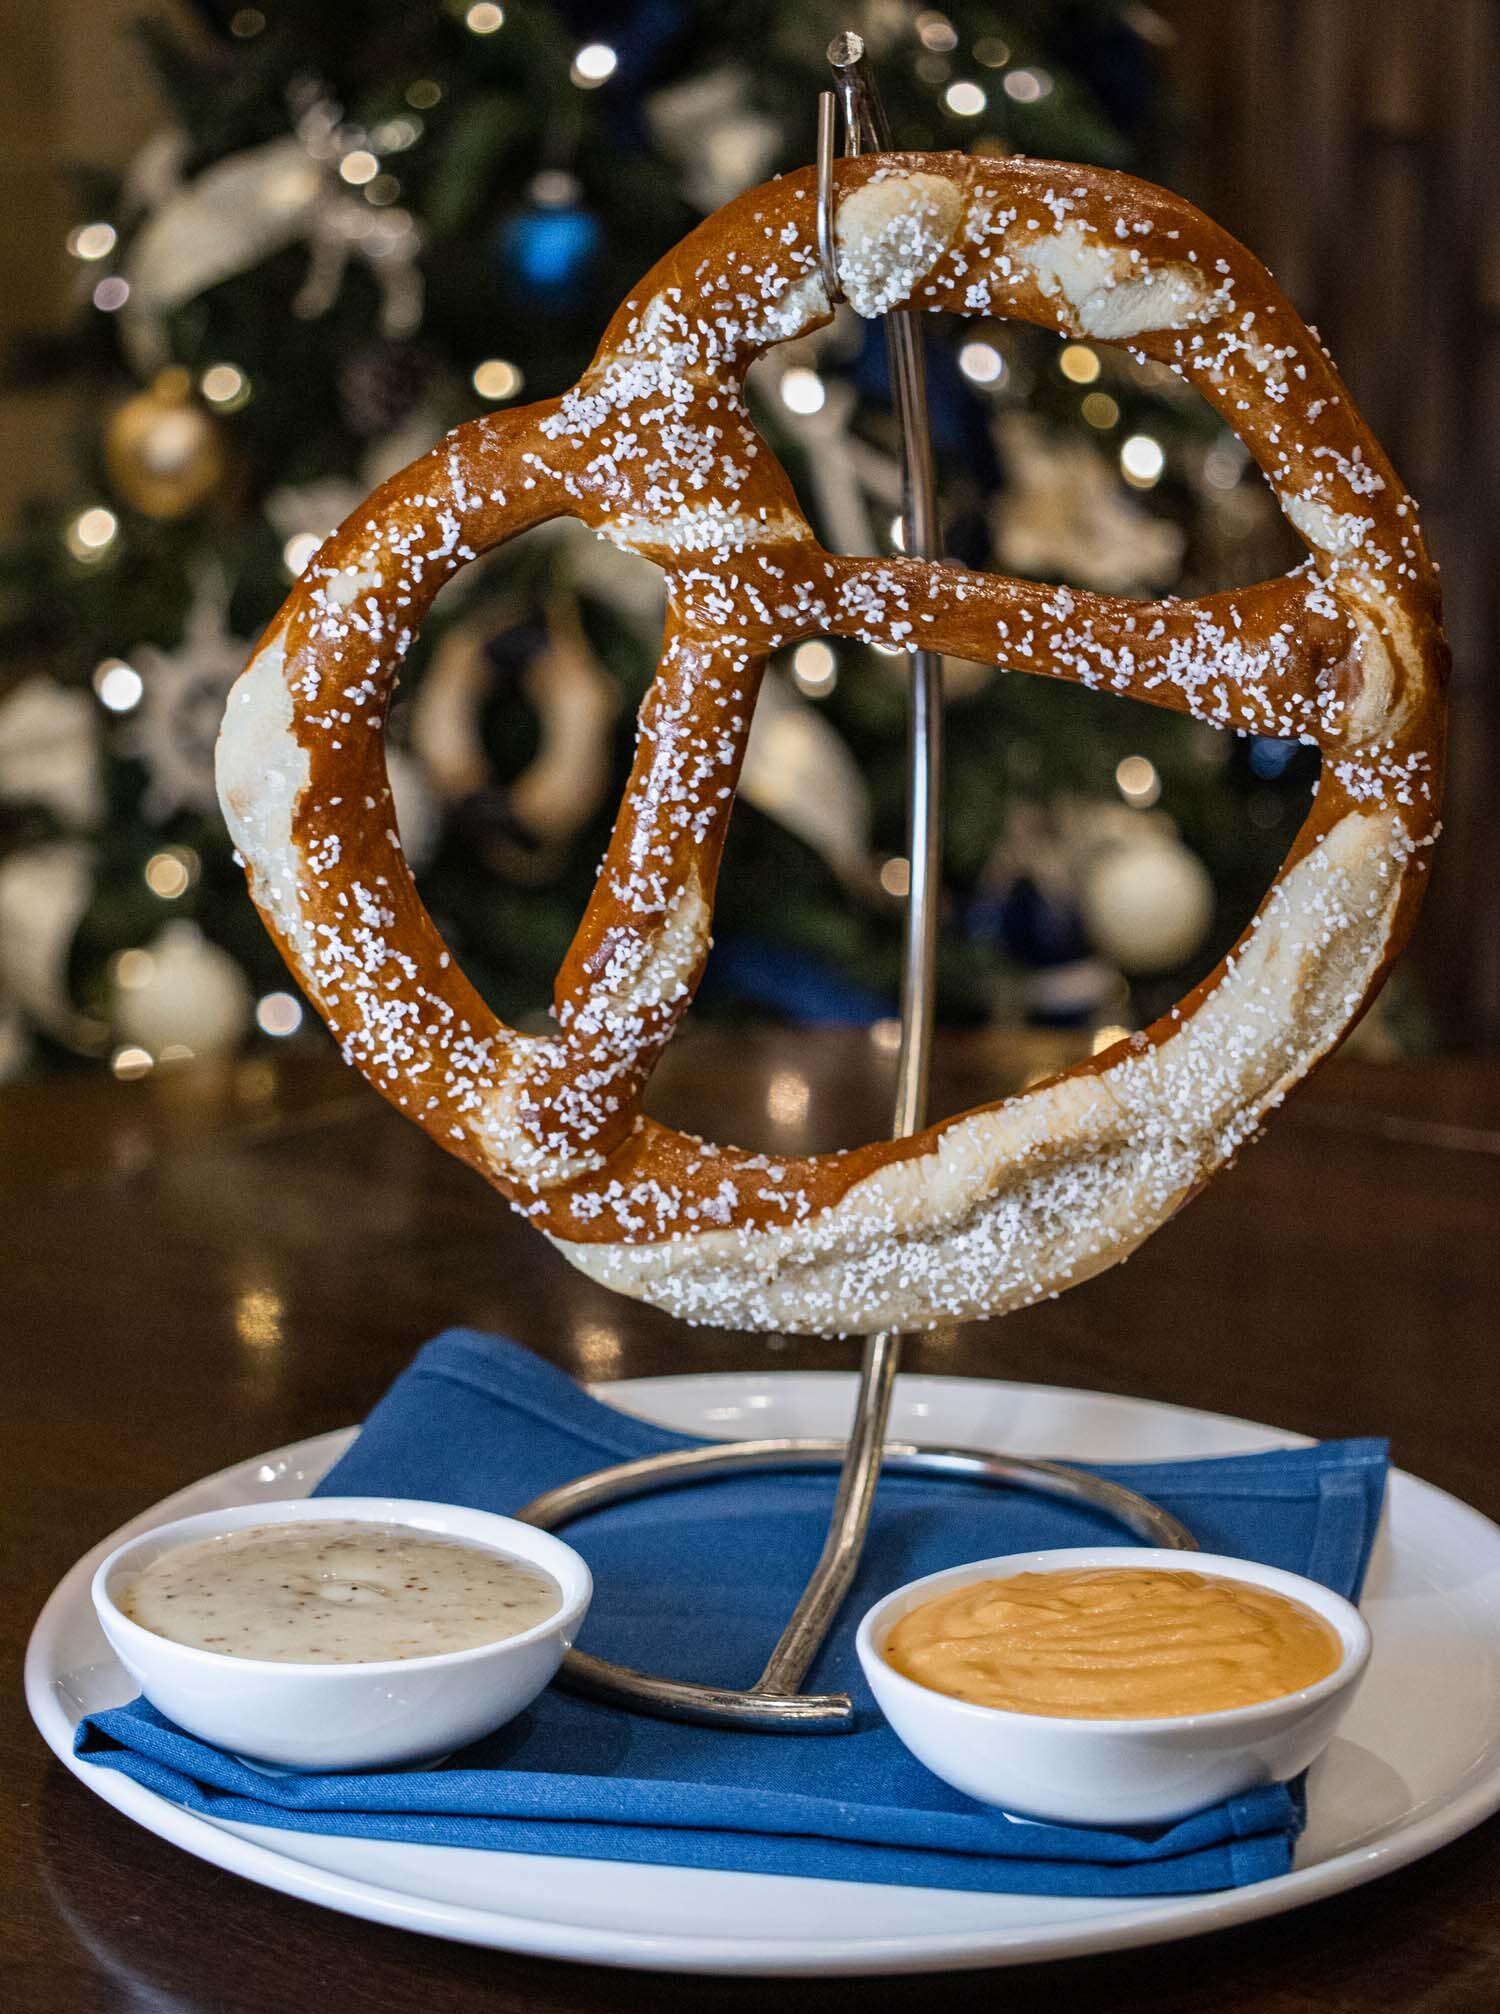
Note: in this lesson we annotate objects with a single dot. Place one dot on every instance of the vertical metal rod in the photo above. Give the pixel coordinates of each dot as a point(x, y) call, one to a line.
point(865, 126)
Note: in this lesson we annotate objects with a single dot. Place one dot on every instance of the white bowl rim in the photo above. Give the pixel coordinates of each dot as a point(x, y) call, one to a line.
point(1353, 1632)
point(362, 1510)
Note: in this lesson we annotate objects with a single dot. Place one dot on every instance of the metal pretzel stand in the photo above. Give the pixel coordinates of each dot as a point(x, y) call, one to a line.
point(773, 1704)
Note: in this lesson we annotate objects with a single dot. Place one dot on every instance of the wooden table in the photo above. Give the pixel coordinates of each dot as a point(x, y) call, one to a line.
point(207, 1265)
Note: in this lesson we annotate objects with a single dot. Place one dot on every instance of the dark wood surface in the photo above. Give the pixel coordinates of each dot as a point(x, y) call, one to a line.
point(204, 1266)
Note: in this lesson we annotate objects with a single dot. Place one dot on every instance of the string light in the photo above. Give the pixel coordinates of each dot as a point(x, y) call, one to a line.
point(1101, 411)
point(896, 531)
point(384, 189)
point(1225, 462)
point(981, 363)
point(111, 294)
point(1079, 364)
point(91, 532)
point(359, 167)
point(802, 390)
point(936, 31)
point(992, 52)
point(1142, 460)
point(484, 18)
point(225, 385)
point(278, 1014)
point(895, 877)
point(497, 379)
point(968, 100)
point(171, 872)
point(1027, 86)
point(886, 1034)
point(247, 21)
point(815, 669)
point(131, 1062)
point(423, 94)
point(1138, 781)
point(119, 685)
point(1106, 1037)
point(132, 969)
point(394, 136)
point(298, 550)
point(92, 241)
point(594, 63)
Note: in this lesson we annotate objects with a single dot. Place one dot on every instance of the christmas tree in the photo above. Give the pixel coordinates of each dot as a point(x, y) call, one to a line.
point(342, 243)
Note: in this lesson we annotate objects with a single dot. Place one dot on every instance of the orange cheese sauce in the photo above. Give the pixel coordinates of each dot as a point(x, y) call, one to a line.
point(1113, 1643)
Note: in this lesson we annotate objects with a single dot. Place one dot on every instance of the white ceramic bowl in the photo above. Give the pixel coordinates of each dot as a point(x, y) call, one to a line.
point(1113, 1772)
point(346, 1716)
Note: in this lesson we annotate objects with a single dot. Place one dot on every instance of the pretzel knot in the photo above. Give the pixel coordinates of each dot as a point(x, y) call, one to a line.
point(654, 448)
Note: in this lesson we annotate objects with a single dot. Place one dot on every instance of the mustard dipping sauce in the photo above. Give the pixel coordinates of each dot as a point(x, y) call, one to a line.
point(1113, 1643)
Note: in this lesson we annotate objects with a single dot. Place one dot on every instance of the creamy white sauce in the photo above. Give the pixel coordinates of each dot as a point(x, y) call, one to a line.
point(337, 1591)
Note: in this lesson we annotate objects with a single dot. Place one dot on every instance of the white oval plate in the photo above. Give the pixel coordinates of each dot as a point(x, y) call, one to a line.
point(1417, 1763)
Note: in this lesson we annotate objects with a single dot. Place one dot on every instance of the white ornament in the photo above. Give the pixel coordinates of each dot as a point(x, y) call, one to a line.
point(43, 895)
point(189, 994)
point(799, 772)
point(407, 441)
point(177, 724)
point(587, 565)
point(1147, 905)
point(49, 750)
point(315, 507)
point(721, 143)
point(1065, 515)
point(240, 211)
point(15, 1049)
point(575, 701)
point(419, 815)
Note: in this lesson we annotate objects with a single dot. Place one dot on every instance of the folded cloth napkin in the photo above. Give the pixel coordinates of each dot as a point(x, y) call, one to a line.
point(696, 1583)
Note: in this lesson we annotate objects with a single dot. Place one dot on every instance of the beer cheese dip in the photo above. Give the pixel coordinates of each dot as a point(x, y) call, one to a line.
point(1113, 1643)
point(337, 1591)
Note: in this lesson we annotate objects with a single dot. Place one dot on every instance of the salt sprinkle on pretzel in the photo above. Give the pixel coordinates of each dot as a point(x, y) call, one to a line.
point(654, 448)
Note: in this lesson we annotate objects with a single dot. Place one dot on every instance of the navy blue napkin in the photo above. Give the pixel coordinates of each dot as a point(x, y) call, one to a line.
point(696, 1583)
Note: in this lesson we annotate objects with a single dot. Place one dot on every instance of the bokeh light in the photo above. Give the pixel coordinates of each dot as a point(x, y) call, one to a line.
point(593, 64)
point(118, 684)
point(278, 1014)
point(981, 363)
point(497, 379)
point(1079, 364)
point(967, 99)
point(815, 669)
point(1138, 781)
point(92, 241)
point(1142, 460)
point(802, 390)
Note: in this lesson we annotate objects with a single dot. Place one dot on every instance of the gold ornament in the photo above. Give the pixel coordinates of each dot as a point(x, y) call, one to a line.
point(165, 454)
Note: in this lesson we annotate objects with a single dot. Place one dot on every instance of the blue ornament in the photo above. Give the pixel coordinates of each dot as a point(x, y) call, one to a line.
point(547, 247)
point(786, 980)
point(1271, 757)
point(1032, 924)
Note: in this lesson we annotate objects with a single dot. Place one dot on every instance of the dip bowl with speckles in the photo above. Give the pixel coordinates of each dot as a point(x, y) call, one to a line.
point(365, 1714)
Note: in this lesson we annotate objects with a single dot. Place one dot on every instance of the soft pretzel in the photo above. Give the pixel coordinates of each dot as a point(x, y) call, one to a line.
point(654, 448)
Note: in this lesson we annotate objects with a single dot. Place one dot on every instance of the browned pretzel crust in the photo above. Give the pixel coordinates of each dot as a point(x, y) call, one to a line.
point(654, 448)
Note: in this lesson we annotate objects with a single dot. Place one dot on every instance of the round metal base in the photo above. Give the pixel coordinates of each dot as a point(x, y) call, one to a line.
point(763, 1708)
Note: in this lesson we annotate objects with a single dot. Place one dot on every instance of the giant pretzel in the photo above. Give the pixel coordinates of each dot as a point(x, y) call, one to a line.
point(654, 448)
